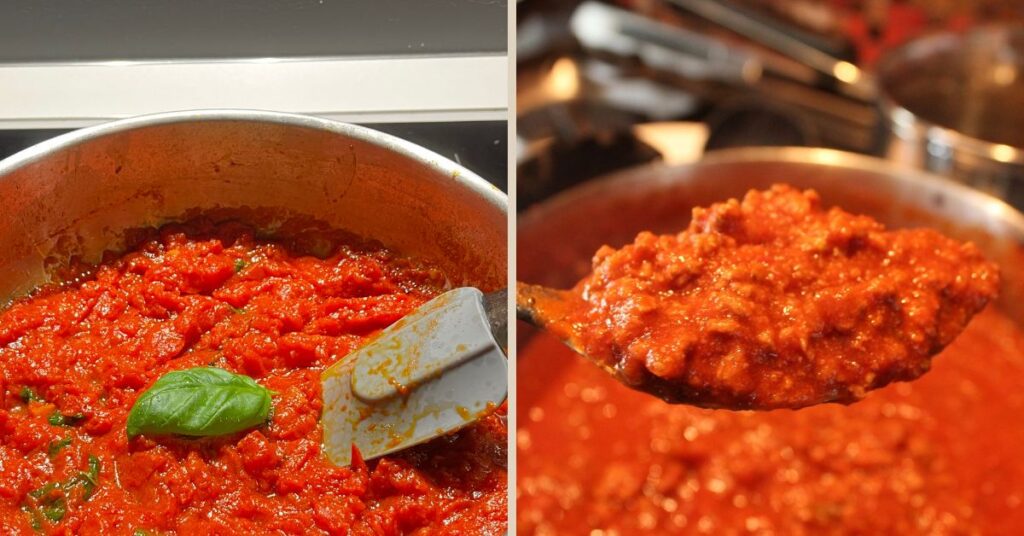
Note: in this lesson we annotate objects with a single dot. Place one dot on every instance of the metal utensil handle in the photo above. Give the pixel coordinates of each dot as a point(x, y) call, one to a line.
point(496, 307)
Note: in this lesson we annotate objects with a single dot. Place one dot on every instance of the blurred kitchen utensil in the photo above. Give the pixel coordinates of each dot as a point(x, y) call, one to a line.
point(850, 80)
point(838, 106)
point(689, 54)
point(954, 104)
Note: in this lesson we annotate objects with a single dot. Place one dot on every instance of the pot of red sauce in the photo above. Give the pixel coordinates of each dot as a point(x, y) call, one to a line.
point(83, 196)
point(939, 455)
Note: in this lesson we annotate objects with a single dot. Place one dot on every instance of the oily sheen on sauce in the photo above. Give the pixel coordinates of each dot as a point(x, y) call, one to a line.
point(938, 455)
point(774, 302)
point(216, 295)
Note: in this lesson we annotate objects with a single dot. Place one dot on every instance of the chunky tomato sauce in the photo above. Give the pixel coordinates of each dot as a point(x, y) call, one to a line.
point(939, 456)
point(773, 302)
point(74, 358)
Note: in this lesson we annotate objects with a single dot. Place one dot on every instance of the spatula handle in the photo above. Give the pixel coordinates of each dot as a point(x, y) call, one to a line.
point(496, 307)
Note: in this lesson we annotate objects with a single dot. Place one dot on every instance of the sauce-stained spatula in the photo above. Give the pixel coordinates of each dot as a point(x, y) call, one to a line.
point(433, 372)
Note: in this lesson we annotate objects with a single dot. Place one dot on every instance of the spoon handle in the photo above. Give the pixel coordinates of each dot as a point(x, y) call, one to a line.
point(538, 305)
point(496, 308)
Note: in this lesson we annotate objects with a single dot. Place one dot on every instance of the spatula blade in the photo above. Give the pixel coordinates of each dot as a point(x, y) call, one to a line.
point(433, 372)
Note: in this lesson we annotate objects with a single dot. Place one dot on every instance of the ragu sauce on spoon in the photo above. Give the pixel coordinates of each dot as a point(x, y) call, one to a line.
point(772, 302)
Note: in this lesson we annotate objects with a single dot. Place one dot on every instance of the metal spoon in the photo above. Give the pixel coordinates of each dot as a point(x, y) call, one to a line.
point(553, 311)
point(433, 372)
point(546, 308)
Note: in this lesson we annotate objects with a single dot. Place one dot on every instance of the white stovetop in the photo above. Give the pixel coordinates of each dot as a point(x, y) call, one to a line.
point(358, 89)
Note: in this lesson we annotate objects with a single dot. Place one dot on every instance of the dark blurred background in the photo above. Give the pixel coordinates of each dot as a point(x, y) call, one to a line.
point(612, 84)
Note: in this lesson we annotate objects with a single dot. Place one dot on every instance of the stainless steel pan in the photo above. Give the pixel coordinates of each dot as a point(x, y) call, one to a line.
point(953, 104)
point(557, 237)
point(77, 194)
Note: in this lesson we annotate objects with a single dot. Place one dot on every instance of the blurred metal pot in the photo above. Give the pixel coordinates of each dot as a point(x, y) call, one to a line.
point(954, 104)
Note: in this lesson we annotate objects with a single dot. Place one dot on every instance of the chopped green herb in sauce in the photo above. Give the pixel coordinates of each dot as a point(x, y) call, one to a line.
point(88, 479)
point(59, 419)
point(44, 491)
point(35, 519)
point(56, 446)
point(28, 395)
point(55, 511)
point(47, 502)
point(50, 502)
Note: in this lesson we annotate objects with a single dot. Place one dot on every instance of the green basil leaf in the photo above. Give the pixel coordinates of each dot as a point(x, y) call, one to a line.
point(202, 401)
point(94, 468)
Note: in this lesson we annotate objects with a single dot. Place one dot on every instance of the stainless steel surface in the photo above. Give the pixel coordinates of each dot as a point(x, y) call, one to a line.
point(954, 104)
point(478, 145)
point(76, 195)
point(557, 237)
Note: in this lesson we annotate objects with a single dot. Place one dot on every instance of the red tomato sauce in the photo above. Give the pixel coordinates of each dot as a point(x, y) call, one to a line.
point(773, 301)
point(939, 456)
point(202, 294)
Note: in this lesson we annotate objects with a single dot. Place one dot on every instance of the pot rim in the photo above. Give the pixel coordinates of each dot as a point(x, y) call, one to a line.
point(992, 206)
point(902, 118)
point(433, 161)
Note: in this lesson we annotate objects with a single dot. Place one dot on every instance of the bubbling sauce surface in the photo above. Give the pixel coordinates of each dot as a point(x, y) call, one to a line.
point(939, 455)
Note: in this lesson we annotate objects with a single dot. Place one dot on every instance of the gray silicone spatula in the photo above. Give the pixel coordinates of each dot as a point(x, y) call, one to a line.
point(431, 373)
